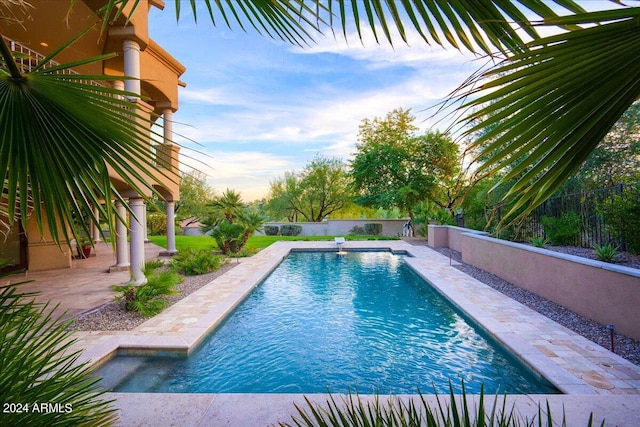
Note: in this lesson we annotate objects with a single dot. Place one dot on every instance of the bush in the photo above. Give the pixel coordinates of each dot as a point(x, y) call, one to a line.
point(149, 299)
point(271, 230)
point(621, 215)
point(190, 262)
point(38, 366)
point(564, 230)
point(153, 264)
point(228, 236)
point(351, 410)
point(290, 229)
point(157, 223)
point(373, 229)
point(357, 231)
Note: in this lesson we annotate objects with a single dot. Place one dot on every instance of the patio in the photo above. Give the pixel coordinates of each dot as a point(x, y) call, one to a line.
point(86, 286)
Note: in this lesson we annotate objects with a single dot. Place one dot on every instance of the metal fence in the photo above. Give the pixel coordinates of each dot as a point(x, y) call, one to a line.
point(586, 204)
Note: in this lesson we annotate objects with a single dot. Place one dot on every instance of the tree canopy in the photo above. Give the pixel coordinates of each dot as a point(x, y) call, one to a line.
point(392, 167)
point(321, 188)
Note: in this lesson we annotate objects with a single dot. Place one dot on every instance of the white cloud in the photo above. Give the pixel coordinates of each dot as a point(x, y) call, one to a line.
point(415, 53)
point(212, 96)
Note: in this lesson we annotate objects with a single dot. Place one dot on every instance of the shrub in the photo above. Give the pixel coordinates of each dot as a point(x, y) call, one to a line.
point(393, 411)
point(373, 229)
point(190, 262)
point(621, 215)
point(37, 366)
point(157, 223)
point(228, 236)
point(357, 230)
point(290, 229)
point(149, 299)
point(606, 252)
point(564, 230)
point(153, 264)
point(539, 242)
point(271, 230)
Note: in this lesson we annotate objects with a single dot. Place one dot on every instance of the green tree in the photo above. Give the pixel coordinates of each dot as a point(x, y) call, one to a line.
point(195, 194)
point(283, 193)
point(617, 158)
point(394, 168)
point(320, 189)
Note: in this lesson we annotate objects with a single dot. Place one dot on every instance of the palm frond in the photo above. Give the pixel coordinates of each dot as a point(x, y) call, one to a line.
point(545, 110)
point(59, 137)
point(484, 26)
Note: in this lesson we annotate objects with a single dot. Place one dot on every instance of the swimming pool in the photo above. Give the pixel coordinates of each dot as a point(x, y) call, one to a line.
point(324, 322)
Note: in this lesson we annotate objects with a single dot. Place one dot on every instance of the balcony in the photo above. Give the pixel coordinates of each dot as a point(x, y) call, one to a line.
point(27, 59)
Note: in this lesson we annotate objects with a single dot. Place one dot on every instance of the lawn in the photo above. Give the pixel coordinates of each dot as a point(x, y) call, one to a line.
point(255, 242)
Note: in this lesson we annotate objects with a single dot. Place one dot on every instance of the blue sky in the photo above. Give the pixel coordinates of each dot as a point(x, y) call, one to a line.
point(259, 106)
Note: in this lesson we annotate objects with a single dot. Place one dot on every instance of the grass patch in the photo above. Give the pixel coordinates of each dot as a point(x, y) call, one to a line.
point(254, 242)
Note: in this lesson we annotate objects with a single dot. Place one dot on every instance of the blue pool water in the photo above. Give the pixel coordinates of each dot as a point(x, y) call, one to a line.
point(322, 322)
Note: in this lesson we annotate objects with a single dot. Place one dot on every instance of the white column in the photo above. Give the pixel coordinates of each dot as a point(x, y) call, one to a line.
point(145, 228)
point(122, 247)
point(96, 225)
point(167, 125)
point(132, 65)
point(137, 241)
point(171, 229)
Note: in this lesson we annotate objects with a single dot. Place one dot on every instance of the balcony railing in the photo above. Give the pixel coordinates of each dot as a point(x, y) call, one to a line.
point(27, 59)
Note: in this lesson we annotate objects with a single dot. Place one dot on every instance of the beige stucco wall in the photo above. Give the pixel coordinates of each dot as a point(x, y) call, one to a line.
point(42, 251)
point(604, 292)
point(448, 236)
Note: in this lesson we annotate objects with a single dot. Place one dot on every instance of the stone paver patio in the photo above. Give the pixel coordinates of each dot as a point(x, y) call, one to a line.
point(592, 378)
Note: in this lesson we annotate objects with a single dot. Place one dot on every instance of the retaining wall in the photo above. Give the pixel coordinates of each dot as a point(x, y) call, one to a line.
point(604, 292)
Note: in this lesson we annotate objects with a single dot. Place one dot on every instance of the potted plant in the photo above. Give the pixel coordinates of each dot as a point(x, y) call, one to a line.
point(83, 245)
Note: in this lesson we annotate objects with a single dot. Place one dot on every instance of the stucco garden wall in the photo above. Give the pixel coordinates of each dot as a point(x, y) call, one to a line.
point(341, 227)
point(604, 292)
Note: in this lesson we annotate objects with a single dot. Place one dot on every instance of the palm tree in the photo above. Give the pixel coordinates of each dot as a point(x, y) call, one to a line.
point(229, 205)
point(590, 75)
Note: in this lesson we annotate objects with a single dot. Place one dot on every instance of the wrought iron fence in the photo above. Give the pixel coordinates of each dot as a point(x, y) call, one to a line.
point(595, 230)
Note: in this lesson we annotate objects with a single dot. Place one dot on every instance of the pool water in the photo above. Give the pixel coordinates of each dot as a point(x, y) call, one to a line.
point(325, 322)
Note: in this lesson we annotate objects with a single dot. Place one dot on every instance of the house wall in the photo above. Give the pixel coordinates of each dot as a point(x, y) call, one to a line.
point(43, 253)
point(44, 26)
point(604, 292)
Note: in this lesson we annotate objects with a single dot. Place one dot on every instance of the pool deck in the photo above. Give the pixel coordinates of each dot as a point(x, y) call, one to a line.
point(592, 378)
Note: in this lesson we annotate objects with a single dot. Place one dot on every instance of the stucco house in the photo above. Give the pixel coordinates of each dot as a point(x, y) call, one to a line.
point(47, 25)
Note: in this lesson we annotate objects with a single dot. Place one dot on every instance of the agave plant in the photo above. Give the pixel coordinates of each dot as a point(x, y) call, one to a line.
point(41, 380)
point(353, 411)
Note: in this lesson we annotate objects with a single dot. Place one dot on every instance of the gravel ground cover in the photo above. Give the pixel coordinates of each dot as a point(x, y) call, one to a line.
point(114, 317)
point(624, 346)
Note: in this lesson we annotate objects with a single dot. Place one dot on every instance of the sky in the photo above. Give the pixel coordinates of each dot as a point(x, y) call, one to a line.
point(258, 107)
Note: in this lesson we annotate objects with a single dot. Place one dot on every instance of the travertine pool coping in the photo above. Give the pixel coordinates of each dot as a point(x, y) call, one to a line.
point(588, 374)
